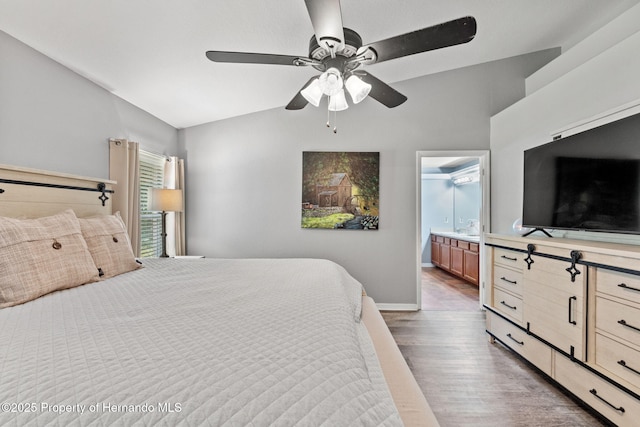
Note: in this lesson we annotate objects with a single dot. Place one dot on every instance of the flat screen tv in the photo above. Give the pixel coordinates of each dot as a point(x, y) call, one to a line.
point(589, 181)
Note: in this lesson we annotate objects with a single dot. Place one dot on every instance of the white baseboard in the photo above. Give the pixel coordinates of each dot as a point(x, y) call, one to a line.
point(427, 264)
point(397, 307)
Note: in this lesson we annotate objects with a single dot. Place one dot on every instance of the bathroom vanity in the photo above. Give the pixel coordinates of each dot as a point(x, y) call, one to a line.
point(457, 253)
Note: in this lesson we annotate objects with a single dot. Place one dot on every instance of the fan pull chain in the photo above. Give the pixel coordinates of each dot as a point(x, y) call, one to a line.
point(328, 115)
point(335, 119)
point(335, 122)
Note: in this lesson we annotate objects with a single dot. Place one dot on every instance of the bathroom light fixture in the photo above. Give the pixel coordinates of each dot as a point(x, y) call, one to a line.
point(462, 180)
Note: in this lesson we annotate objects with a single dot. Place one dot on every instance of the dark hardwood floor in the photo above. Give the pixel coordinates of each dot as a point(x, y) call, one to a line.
point(467, 380)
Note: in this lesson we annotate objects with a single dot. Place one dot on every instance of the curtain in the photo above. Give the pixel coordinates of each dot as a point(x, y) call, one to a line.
point(174, 178)
point(124, 168)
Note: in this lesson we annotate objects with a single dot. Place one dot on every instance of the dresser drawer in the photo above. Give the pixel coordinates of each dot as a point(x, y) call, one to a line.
point(621, 285)
point(602, 396)
point(508, 258)
point(618, 359)
point(507, 279)
point(618, 319)
point(507, 304)
point(518, 340)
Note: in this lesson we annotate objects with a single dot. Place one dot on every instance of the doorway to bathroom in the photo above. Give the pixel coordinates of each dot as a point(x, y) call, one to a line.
point(452, 215)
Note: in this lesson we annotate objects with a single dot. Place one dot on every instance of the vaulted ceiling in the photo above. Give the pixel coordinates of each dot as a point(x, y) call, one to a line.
point(152, 52)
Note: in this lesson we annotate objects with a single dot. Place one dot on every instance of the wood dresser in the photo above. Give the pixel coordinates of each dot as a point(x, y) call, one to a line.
point(572, 309)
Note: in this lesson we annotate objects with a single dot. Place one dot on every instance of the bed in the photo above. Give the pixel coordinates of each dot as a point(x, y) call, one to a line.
point(92, 336)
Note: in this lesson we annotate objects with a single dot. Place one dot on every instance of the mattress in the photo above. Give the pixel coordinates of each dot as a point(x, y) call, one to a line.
point(196, 342)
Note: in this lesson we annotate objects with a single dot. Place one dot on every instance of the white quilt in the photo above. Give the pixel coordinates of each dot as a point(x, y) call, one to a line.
point(195, 342)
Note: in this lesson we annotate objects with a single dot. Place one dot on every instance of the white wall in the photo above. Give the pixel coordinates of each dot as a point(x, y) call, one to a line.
point(607, 79)
point(54, 119)
point(244, 174)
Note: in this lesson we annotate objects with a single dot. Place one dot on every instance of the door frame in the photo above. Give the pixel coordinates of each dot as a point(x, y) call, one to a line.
point(485, 219)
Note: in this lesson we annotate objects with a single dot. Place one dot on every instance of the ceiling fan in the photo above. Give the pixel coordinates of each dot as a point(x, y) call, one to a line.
point(338, 53)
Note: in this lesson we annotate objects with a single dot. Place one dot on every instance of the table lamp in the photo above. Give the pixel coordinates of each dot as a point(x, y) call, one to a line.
point(165, 200)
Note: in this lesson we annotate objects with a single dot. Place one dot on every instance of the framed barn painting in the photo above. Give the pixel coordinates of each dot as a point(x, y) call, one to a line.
point(340, 190)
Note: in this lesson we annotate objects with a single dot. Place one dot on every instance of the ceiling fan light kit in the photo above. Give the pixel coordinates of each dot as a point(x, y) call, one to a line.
point(357, 88)
point(338, 101)
point(338, 53)
point(331, 81)
point(313, 92)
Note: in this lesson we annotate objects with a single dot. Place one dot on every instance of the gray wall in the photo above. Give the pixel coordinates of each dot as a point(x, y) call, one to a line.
point(605, 78)
point(54, 119)
point(244, 174)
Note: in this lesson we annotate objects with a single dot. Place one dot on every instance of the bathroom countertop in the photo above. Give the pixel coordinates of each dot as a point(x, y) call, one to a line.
point(459, 236)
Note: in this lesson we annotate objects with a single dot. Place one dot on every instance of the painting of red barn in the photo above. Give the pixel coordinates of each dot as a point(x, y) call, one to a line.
point(340, 190)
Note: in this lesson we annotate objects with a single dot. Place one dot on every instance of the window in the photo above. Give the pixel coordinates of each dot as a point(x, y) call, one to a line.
point(151, 176)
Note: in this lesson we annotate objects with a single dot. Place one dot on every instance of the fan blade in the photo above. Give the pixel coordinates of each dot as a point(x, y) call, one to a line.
point(255, 58)
point(450, 33)
point(326, 18)
point(299, 102)
point(380, 91)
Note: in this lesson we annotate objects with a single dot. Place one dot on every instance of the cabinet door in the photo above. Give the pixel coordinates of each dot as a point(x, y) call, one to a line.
point(445, 256)
point(457, 261)
point(554, 305)
point(472, 266)
point(435, 253)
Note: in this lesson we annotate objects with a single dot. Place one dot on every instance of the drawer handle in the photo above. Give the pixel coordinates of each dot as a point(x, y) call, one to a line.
point(624, 323)
point(508, 258)
point(595, 393)
point(515, 340)
point(625, 286)
point(507, 305)
point(573, 322)
point(624, 364)
point(513, 282)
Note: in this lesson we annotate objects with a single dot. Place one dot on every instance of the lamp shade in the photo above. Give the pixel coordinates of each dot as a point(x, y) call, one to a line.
point(338, 102)
point(330, 81)
point(357, 88)
point(164, 199)
point(313, 93)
